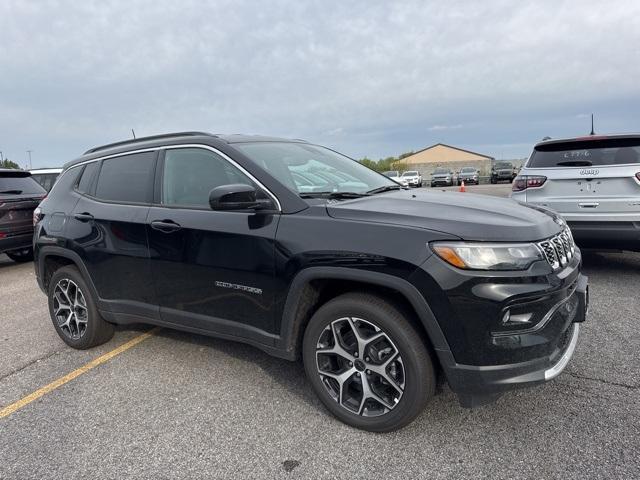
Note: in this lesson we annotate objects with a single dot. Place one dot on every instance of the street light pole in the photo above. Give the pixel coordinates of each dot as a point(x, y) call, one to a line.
point(30, 165)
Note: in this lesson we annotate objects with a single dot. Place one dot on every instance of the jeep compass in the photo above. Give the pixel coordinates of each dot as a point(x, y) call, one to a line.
point(381, 291)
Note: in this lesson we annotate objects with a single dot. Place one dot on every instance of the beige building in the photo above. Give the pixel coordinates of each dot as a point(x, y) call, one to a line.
point(441, 155)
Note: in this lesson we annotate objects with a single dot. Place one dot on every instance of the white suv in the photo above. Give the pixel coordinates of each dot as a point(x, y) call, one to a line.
point(413, 178)
point(593, 182)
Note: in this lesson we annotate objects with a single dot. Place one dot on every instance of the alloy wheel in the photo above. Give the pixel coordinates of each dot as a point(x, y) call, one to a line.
point(360, 367)
point(70, 309)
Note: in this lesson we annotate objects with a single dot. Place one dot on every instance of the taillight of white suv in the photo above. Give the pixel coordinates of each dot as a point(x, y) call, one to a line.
point(522, 182)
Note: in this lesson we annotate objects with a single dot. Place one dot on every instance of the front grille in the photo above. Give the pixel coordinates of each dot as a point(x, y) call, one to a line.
point(559, 250)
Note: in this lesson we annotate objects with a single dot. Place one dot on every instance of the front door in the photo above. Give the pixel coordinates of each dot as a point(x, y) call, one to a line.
point(212, 270)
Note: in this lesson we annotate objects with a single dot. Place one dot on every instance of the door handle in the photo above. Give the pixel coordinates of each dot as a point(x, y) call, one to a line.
point(165, 226)
point(588, 204)
point(83, 217)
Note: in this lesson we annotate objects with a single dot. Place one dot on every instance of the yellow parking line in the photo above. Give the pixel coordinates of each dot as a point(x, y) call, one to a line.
point(9, 409)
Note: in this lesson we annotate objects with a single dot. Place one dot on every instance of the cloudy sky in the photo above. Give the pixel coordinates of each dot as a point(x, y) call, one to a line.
point(369, 78)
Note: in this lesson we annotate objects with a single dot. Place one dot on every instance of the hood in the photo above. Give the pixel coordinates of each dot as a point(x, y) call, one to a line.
point(465, 215)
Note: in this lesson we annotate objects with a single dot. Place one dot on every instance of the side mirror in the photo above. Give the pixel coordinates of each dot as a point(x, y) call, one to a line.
point(233, 197)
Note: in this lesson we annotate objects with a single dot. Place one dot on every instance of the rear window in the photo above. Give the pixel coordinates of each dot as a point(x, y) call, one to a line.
point(19, 184)
point(588, 153)
point(127, 179)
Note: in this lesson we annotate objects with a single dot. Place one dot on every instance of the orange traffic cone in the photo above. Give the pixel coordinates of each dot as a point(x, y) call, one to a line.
point(462, 189)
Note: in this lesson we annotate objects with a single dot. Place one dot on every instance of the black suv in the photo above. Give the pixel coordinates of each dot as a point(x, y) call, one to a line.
point(380, 290)
point(19, 196)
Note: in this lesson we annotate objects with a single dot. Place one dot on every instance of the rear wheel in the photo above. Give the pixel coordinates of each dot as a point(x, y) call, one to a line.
point(367, 363)
point(74, 312)
point(24, 255)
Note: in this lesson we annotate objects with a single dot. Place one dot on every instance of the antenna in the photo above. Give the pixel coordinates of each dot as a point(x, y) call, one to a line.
point(134, 134)
point(592, 132)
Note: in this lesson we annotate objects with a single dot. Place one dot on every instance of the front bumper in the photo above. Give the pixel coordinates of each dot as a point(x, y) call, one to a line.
point(477, 385)
point(486, 356)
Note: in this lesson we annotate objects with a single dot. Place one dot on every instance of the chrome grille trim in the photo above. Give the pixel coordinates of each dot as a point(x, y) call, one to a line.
point(559, 249)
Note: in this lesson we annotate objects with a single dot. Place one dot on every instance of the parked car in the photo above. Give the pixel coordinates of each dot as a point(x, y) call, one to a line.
point(378, 289)
point(396, 177)
point(413, 178)
point(45, 176)
point(593, 182)
point(469, 175)
point(503, 171)
point(19, 196)
point(442, 176)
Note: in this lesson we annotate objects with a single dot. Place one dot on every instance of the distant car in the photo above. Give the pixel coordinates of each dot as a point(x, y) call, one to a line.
point(503, 172)
point(46, 176)
point(413, 178)
point(469, 175)
point(396, 177)
point(19, 196)
point(442, 176)
point(593, 182)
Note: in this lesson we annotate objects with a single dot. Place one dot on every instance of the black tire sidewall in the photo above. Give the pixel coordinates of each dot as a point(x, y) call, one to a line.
point(419, 372)
point(98, 331)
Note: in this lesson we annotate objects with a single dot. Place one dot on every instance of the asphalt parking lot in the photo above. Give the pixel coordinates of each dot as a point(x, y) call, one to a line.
point(178, 405)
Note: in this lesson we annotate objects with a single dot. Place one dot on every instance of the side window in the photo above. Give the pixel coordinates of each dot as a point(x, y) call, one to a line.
point(87, 175)
point(127, 179)
point(191, 173)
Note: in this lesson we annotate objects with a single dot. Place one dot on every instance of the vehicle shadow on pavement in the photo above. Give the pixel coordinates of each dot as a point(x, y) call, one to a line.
point(290, 375)
point(619, 262)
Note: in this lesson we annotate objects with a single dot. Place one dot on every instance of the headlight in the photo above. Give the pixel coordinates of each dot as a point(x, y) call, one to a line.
point(488, 256)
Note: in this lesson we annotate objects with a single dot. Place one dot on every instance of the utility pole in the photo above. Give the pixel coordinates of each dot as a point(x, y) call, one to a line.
point(30, 165)
point(1, 157)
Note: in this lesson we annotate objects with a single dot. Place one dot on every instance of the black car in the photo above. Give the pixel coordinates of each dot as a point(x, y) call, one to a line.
point(19, 196)
point(503, 171)
point(380, 290)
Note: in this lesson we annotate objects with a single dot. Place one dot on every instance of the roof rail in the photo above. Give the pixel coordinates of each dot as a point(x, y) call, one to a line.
point(146, 139)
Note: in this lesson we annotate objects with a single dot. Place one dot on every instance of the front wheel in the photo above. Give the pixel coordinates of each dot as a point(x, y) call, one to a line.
point(24, 255)
point(367, 363)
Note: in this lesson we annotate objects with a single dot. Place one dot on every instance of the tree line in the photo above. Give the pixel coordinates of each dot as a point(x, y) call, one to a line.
point(6, 163)
point(386, 164)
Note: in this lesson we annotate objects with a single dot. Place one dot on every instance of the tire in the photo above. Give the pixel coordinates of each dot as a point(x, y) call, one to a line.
point(86, 328)
point(24, 255)
point(412, 373)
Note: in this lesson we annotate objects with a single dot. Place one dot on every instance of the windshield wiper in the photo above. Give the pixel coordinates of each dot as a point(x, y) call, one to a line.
point(12, 192)
point(386, 188)
point(575, 163)
point(333, 195)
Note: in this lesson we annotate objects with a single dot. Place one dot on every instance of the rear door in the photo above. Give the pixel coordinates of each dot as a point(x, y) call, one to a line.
point(593, 178)
point(108, 230)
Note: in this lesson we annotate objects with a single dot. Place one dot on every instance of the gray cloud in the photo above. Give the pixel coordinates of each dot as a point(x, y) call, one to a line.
point(366, 77)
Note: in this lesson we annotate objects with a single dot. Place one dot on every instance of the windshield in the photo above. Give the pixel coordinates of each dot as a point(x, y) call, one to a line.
point(308, 168)
point(503, 165)
point(410, 173)
point(440, 171)
point(610, 151)
point(391, 173)
point(468, 170)
point(10, 184)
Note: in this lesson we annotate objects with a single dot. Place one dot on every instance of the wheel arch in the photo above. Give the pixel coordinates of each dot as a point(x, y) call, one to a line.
point(314, 286)
point(51, 258)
